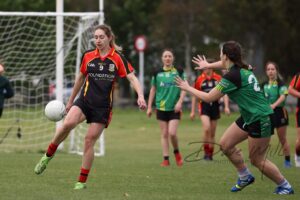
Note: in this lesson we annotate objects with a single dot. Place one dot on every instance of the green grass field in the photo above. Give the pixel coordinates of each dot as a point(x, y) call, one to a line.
point(130, 168)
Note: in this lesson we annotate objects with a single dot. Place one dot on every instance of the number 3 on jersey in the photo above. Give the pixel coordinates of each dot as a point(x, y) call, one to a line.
point(252, 79)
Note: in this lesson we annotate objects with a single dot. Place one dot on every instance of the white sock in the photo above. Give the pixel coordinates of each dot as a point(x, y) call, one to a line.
point(244, 173)
point(284, 184)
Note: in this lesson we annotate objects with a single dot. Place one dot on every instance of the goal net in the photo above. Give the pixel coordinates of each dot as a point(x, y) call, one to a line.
point(28, 52)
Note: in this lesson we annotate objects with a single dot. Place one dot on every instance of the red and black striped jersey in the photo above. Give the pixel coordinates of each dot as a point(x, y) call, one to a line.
point(101, 74)
point(206, 83)
point(295, 83)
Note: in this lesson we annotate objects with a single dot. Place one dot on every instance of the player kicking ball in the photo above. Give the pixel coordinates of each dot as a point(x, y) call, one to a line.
point(99, 69)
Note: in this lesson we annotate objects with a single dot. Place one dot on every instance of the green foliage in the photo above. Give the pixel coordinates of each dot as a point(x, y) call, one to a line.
point(27, 5)
point(267, 29)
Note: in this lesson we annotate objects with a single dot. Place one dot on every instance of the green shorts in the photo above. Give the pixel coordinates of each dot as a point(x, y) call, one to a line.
point(259, 129)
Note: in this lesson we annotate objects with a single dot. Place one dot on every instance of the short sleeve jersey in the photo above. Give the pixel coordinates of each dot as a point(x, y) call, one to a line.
point(273, 90)
point(167, 93)
point(243, 88)
point(101, 74)
point(295, 83)
point(206, 83)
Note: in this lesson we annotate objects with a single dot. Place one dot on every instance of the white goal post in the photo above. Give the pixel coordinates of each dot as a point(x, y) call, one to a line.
point(28, 50)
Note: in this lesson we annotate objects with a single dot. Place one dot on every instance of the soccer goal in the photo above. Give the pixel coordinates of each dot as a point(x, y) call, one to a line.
point(29, 54)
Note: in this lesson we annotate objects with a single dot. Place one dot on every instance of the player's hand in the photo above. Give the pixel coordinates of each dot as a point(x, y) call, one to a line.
point(192, 116)
point(178, 107)
point(149, 112)
point(68, 106)
point(141, 103)
point(273, 106)
point(201, 62)
point(227, 111)
point(182, 84)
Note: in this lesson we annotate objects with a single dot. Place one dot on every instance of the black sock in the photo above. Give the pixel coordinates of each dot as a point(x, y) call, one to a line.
point(176, 151)
point(166, 157)
point(288, 158)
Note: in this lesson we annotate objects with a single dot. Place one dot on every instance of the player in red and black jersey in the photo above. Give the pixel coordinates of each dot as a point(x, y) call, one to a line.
point(209, 112)
point(99, 69)
point(294, 89)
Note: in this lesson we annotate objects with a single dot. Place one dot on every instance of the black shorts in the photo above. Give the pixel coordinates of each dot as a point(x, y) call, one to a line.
point(92, 114)
point(280, 117)
point(258, 129)
point(211, 110)
point(167, 115)
point(298, 117)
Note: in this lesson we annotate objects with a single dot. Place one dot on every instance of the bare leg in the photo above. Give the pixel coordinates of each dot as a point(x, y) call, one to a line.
point(213, 134)
point(232, 136)
point(74, 117)
point(257, 153)
point(172, 130)
point(297, 146)
point(94, 132)
point(281, 132)
point(206, 126)
point(297, 149)
point(164, 137)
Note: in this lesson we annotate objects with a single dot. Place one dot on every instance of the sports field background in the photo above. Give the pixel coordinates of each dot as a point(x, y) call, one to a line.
point(130, 168)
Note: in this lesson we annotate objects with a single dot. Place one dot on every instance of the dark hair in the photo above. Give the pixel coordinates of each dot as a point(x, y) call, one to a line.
point(233, 50)
point(107, 30)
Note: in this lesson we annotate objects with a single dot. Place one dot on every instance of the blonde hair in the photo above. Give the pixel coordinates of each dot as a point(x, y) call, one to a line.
point(107, 30)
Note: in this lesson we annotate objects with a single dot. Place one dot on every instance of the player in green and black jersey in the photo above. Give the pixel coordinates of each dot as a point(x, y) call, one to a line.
point(254, 124)
point(275, 91)
point(168, 104)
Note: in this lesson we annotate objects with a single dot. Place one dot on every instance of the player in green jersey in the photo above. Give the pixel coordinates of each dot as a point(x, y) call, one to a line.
point(242, 87)
point(168, 103)
point(276, 92)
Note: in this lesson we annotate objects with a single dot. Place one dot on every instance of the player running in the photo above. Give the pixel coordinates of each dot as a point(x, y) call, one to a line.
point(168, 103)
point(254, 124)
point(99, 69)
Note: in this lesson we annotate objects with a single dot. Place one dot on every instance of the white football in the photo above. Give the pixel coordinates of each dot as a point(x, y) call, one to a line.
point(55, 110)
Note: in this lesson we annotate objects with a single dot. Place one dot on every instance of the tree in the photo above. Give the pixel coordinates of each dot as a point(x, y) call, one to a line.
point(181, 26)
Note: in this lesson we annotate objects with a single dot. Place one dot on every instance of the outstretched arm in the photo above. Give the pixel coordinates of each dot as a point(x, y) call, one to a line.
point(213, 95)
point(138, 89)
point(203, 64)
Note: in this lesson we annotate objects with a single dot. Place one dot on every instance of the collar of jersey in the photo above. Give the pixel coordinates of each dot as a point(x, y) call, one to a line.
point(205, 76)
point(168, 70)
point(110, 53)
point(273, 82)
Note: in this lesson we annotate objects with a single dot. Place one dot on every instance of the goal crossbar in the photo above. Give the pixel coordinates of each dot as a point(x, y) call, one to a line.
point(79, 14)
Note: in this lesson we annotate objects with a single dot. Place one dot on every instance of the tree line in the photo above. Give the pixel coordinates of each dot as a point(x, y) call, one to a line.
point(267, 29)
